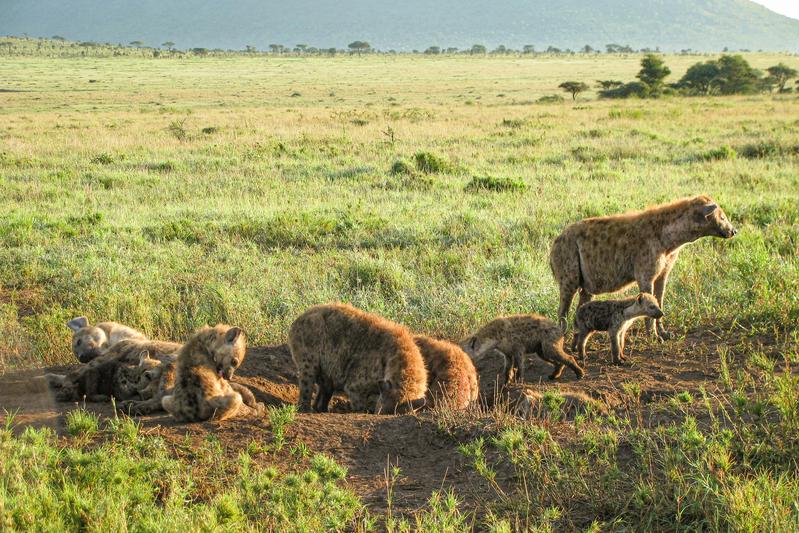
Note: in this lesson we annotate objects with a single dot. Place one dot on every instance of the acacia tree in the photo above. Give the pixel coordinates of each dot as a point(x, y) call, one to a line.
point(477, 49)
point(169, 45)
point(609, 84)
point(359, 46)
point(781, 73)
point(574, 87)
point(653, 72)
point(701, 78)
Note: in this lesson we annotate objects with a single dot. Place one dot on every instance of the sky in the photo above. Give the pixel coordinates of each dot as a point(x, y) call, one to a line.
point(784, 7)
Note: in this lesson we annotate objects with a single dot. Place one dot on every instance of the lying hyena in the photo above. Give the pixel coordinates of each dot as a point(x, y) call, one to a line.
point(517, 335)
point(89, 341)
point(108, 378)
point(203, 369)
point(606, 254)
point(615, 317)
point(451, 377)
point(372, 360)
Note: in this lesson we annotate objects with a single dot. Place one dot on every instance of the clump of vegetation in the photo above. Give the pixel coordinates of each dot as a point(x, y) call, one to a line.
point(402, 167)
point(495, 184)
point(431, 163)
point(574, 88)
point(210, 130)
point(514, 123)
point(765, 149)
point(82, 423)
point(550, 99)
point(177, 128)
point(103, 159)
point(717, 154)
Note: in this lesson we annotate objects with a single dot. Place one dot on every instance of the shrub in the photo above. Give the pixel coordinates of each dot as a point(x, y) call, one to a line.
point(401, 166)
point(634, 88)
point(210, 130)
point(429, 163)
point(717, 154)
point(550, 99)
point(491, 183)
point(103, 159)
point(764, 149)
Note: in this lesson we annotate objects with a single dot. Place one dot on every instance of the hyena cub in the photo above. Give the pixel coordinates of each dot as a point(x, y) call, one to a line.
point(451, 376)
point(102, 381)
point(204, 365)
point(615, 317)
point(517, 335)
point(89, 341)
point(372, 360)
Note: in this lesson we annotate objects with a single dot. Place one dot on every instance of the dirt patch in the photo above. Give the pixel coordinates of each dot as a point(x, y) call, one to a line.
point(429, 459)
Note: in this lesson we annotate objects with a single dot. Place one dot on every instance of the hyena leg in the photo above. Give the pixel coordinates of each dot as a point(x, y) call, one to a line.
point(323, 395)
point(246, 394)
point(225, 406)
point(615, 348)
point(656, 326)
point(584, 336)
point(146, 407)
point(558, 357)
point(518, 362)
point(585, 297)
point(170, 406)
point(567, 291)
point(306, 382)
point(510, 373)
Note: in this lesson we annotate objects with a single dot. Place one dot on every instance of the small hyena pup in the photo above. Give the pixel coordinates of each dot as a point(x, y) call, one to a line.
point(203, 369)
point(451, 376)
point(90, 341)
point(109, 378)
point(517, 335)
point(374, 361)
point(615, 317)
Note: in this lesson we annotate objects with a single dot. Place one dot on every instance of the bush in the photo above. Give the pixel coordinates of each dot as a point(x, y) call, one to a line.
point(550, 99)
point(634, 88)
point(490, 183)
point(430, 163)
point(718, 154)
point(103, 159)
point(401, 166)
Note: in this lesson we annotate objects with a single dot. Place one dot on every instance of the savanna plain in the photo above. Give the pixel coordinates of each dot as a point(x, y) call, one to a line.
point(171, 193)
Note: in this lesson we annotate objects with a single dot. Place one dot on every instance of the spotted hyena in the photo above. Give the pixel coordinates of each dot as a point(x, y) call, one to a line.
point(90, 341)
point(371, 359)
point(606, 254)
point(517, 335)
point(204, 366)
point(451, 377)
point(615, 317)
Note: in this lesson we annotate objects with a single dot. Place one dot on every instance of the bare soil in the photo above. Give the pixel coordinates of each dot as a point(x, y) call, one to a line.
point(428, 458)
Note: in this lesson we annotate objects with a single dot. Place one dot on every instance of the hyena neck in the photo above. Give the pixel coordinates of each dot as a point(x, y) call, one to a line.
point(195, 353)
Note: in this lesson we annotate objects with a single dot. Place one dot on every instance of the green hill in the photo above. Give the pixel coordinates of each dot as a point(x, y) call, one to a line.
point(413, 24)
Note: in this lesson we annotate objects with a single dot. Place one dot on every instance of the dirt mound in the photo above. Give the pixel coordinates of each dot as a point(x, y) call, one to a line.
point(429, 460)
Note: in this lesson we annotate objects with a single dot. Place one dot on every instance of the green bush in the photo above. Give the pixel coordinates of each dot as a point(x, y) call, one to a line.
point(491, 183)
point(431, 163)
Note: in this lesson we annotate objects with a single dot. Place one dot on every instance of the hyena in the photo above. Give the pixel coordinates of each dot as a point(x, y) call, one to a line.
point(615, 317)
point(451, 376)
point(517, 335)
point(89, 341)
point(102, 381)
point(606, 254)
point(371, 359)
point(204, 366)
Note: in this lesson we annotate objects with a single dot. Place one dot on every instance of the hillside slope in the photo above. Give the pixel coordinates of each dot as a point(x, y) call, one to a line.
point(412, 24)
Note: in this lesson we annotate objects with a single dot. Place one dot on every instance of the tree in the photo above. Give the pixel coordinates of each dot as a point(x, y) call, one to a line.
point(574, 87)
point(359, 46)
point(653, 72)
point(276, 48)
point(736, 76)
point(609, 84)
point(588, 49)
point(781, 73)
point(701, 78)
point(137, 44)
point(433, 50)
point(529, 49)
point(169, 45)
point(477, 49)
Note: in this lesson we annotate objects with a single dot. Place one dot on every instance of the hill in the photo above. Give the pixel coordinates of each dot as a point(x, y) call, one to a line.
point(706, 25)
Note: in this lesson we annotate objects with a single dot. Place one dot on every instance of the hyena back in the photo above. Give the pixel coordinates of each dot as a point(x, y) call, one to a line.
point(451, 377)
point(371, 359)
point(89, 342)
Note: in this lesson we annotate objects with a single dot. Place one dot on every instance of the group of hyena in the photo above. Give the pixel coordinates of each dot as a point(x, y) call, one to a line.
point(380, 365)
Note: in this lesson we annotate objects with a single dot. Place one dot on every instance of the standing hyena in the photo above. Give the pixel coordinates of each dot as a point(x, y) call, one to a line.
point(372, 360)
point(451, 376)
point(517, 335)
point(89, 341)
point(606, 254)
point(202, 370)
point(615, 317)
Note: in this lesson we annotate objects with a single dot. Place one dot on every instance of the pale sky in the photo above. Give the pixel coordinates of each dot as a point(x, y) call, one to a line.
point(784, 7)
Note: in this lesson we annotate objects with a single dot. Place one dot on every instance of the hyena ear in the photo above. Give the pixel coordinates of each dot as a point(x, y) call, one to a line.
point(708, 209)
point(641, 298)
point(144, 357)
point(232, 335)
point(79, 322)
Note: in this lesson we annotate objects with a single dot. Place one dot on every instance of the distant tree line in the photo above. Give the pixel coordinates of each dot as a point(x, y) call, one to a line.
point(729, 74)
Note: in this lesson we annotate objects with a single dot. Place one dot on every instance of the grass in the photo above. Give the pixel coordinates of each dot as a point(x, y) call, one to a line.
point(256, 187)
